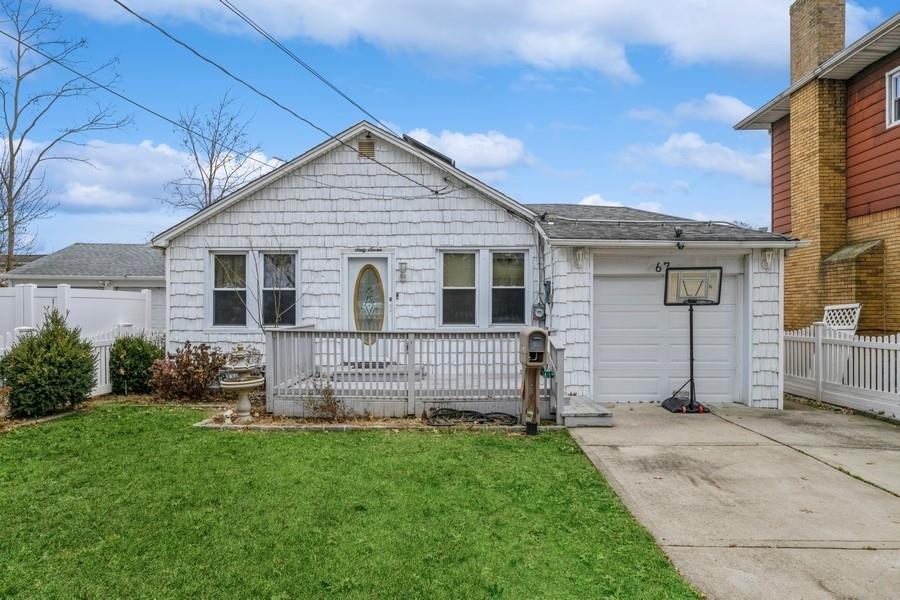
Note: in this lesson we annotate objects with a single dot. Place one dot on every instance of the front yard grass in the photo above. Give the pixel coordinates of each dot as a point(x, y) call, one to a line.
point(131, 501)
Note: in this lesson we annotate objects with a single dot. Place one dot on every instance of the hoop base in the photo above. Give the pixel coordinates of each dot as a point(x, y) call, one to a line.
point(680, 404)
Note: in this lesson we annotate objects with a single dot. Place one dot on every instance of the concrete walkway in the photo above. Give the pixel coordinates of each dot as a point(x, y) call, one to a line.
point(748, 503)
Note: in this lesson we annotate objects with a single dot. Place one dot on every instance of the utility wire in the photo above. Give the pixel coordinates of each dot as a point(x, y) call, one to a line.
point(260, 93)
point(259, 29)
point(171, 121)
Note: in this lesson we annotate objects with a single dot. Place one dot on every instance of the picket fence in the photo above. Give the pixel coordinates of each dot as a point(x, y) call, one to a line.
point(854, 371)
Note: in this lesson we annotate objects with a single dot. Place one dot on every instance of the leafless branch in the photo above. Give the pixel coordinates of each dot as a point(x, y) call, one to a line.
point(25, 102)
point(219, 149)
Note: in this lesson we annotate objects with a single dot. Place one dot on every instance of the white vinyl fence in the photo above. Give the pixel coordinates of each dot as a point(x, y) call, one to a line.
point(859, 372)
point(102, 316)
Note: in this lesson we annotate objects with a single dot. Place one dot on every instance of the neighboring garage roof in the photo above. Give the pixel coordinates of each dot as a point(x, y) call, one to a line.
point(112, 261)
point(867, 50)
point(574, 222)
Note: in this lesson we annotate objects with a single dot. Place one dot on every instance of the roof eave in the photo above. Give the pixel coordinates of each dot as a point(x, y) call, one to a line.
point(749, 244)
point(12, 275)
point(763, 117)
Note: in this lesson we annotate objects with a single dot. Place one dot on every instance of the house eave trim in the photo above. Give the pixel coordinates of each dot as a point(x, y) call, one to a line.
point(786, 244)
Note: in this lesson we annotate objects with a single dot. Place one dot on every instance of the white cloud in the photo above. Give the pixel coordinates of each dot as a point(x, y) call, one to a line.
point(120, 176)
point(117, 176)
point(713, 107)
point(691, 151)
point(576, 34)
point(860, 20)
point(598, 200)
point(487, 155)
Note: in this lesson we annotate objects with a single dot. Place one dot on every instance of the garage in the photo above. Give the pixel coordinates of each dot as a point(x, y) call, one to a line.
point(640, 346)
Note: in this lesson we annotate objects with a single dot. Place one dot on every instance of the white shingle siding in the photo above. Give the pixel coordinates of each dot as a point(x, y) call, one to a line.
point(766, 320)
point(294, 213)
point(571, 316)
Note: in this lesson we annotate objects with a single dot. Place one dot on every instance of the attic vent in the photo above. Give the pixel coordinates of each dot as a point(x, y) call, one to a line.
point(366, 147)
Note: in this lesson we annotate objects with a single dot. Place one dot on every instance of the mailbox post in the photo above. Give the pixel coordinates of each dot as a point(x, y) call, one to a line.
point(534, 348)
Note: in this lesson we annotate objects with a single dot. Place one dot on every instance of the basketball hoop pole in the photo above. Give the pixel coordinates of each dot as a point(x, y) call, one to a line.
point(691, 343)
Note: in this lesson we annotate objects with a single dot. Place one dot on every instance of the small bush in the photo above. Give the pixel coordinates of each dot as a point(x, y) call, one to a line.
point(324, 404)
point(187, 374)
point(49, 370)
point(130, 361)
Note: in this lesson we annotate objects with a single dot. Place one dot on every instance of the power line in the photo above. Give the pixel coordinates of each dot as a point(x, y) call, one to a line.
point(171, 121)
point(259, 29)
point(260, 93)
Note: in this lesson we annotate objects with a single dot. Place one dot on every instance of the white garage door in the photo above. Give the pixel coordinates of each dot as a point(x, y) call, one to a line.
point(641, 346)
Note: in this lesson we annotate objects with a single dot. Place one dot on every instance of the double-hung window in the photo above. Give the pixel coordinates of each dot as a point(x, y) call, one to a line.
point(459, 294)
point(893, 98)
point(279, 289)
point(229, 290)
point(482, 288)
point(507, 288)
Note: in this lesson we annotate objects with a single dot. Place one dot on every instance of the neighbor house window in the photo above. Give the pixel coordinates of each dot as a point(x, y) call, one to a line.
point(229, 289)
point(459, 294)
point(893, 96)
point(507, 288)
point(279, 289)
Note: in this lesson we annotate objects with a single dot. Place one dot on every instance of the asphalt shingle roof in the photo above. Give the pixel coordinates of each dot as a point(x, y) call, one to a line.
point(586, 222)
point(98, 260)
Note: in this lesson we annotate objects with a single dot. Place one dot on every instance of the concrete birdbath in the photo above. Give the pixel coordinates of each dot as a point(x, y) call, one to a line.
point(242, 375)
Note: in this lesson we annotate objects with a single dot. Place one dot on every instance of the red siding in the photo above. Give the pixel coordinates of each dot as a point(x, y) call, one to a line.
point(873, 151)
point(781, 176)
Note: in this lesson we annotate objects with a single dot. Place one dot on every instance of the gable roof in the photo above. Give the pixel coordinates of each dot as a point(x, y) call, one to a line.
point(585, 224)
point(867, 50)
point(418, 150)
point(101, 261)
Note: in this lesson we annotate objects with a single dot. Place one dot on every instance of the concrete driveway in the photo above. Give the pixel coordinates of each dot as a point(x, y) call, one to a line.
point(749, 503)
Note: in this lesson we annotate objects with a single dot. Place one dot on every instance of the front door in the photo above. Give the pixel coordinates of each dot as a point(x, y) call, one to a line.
point(368, 293)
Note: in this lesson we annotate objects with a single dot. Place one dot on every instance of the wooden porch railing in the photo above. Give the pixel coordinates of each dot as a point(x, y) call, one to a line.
point(398, 373)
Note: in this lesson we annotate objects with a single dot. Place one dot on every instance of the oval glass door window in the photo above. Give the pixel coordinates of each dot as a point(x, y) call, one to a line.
point(368, 300)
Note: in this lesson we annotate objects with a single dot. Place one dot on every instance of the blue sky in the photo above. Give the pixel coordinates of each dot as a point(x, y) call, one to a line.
point(613, 101)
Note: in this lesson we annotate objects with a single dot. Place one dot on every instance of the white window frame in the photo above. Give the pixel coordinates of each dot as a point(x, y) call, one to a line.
point(890, 98)
point(211, 283)
point(261, 279)
point(483, 285)
point(523, 287)
point(441, 288)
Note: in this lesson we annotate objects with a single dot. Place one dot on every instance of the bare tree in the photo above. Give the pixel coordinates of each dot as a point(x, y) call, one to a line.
point(219, 153)
point(28, 96)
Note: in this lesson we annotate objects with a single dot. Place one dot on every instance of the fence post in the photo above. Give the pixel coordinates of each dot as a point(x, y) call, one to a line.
point(25, 305)
point(270, 371)
point(148, 309)
point(411, 373)
point(560, 360)
point(63, 292)
point(819, 333)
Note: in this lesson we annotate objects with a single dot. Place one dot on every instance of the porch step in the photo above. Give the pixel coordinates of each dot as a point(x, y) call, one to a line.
point(580, 412)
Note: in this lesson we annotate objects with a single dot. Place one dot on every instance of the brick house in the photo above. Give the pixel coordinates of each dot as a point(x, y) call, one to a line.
point(836, 167)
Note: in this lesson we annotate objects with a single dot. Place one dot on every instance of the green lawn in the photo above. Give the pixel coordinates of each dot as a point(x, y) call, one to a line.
point(128, 501)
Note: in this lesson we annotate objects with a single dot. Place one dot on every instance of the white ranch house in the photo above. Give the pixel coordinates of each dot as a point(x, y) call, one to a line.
point(344, 238)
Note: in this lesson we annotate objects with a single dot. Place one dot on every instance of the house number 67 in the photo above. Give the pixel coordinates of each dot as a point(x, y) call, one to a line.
point(661, 266)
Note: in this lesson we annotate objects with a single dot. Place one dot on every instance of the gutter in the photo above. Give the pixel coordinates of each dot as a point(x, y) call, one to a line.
point(12, 276)
point(687, 243)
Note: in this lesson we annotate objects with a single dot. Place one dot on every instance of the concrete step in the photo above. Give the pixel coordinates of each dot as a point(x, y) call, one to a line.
point(580, 412)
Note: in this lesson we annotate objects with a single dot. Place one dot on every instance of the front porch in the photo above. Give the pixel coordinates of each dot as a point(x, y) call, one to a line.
point(402, 373)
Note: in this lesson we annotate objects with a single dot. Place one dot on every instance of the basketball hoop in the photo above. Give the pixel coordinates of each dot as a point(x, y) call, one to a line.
point(691, 286)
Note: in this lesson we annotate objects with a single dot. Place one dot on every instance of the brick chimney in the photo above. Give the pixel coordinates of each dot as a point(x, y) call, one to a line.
point(818, 129)
point(817, 33)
